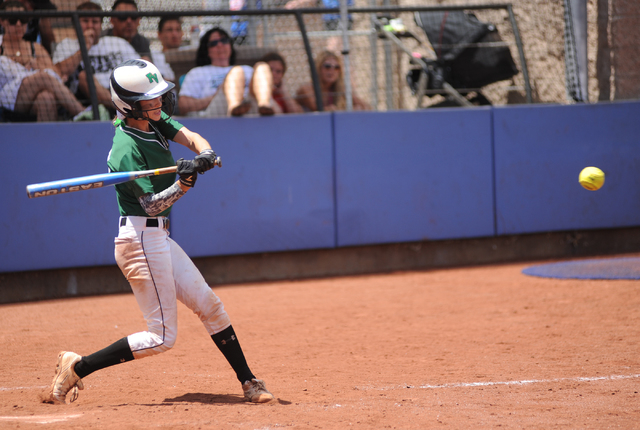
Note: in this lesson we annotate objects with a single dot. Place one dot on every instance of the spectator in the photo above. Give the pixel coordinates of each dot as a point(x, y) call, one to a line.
point(170, 35)
point(105, 53)
point(217, 87)
point(29, 82)
point(331, 85)
point(127, 28)
point(40, 28)
point(280, 92)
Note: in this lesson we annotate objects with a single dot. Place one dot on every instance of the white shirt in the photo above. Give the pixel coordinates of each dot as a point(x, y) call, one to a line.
point(11, 76)
point(104, 56)
point(160, 62)
point(204, 81)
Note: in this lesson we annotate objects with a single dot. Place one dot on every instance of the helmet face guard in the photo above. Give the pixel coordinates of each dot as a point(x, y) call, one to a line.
point(168, 106)
point(137, 80)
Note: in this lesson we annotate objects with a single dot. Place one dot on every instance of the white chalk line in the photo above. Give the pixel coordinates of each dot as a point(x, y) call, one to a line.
point(23, 388)
point(492, 383)
point(40, 419)
point(36, 419)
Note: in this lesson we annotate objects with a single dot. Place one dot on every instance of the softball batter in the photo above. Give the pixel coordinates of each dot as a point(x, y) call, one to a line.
point(159, 271)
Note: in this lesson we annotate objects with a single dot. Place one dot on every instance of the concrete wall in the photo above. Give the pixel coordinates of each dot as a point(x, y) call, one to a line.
point(326, 181)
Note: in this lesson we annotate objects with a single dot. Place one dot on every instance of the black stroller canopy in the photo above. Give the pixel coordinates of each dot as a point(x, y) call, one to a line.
point(450, 32)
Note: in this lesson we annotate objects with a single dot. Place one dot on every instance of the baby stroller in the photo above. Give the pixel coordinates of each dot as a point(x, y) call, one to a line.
point(467, 58)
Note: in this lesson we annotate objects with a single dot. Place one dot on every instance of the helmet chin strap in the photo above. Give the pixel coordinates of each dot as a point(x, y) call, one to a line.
point(163, 140)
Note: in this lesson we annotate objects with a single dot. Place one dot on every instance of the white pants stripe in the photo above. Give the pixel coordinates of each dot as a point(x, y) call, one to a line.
point(160, 273)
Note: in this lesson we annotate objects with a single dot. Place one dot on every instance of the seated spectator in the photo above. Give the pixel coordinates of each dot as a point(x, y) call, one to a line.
point(331, 79)
point(170, 35)
point(29, 82)
point(39, 29)
point(280, 92)
point(216, 87)
point(105, 53)
point(127, 28)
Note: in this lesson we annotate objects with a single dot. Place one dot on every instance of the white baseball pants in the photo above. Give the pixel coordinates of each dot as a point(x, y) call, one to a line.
point(160, 272)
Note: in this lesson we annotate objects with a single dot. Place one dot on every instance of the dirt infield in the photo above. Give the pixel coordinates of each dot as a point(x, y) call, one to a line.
point(480, 347)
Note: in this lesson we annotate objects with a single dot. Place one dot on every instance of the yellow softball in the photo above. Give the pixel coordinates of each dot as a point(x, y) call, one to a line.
point(591, 178)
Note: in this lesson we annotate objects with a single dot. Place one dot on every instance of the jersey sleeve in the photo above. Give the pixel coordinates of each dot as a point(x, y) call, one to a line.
point(168, 126)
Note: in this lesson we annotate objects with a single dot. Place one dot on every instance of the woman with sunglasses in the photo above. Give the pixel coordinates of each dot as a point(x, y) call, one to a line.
point(217, 87)
point(331, 86)
point(29, 81)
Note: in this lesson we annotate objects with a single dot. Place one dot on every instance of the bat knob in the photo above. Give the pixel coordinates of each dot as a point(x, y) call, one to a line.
point(218, 162)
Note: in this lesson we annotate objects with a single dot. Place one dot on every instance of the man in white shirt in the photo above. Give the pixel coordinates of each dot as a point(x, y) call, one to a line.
point(105, 53)
point(127, 28)
point(170, 35)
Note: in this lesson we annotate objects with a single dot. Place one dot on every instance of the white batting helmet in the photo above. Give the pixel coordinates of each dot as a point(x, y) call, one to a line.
point(136, 80)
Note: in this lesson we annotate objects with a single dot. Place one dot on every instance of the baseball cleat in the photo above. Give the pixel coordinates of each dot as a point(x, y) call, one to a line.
point(256, 392)
point(65, 379)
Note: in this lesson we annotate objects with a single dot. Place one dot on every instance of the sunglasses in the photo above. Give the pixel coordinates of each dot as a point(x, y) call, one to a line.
point(214, 43)
point(327, 66)
point(125, 18)
point(14, 21)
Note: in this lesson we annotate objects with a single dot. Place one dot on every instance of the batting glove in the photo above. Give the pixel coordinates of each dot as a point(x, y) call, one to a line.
point(188, 172)
point(205, 161)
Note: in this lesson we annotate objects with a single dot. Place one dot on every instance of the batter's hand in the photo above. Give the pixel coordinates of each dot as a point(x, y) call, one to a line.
point(205, 161)
point(188, 172)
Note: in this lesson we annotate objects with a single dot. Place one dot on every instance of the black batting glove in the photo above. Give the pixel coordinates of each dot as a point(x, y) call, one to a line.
point(205, 160)
point(188, 172)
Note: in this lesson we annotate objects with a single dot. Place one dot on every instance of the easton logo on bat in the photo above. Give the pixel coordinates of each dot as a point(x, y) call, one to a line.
point(68, 189)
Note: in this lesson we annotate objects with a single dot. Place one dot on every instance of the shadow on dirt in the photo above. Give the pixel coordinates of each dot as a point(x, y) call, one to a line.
point(213, 399)
point(208, 399)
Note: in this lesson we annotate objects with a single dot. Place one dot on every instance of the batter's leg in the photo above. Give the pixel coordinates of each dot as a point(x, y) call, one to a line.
point(144, 258)
point(195, 293)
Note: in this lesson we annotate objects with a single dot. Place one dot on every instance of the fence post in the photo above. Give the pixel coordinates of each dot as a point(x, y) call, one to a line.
point(93, 95)
point(523, 61)
point(373, 39)
point(312, 63)
point(344, 22)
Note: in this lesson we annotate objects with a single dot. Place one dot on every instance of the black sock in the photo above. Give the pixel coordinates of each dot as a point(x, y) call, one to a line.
point(116, 353)
point(228, 344)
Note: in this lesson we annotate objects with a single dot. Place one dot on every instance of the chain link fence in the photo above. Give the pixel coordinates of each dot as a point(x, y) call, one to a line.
point(395, 55)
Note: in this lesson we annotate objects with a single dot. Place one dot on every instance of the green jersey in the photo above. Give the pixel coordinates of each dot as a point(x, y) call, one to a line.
point(135, 150)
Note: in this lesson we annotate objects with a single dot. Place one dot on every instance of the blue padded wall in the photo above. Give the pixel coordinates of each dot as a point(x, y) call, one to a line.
point(274, 191)
point(409, 176)
point(75, 229)
point(539, 152)
point(325, 180)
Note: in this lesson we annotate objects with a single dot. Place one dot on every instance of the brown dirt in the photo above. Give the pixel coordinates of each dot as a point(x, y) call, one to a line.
point(478, 347)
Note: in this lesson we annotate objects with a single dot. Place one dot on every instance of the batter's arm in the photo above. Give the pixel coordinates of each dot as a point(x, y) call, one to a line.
point(206, 158)
point(191, 140)
point(153, 204)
